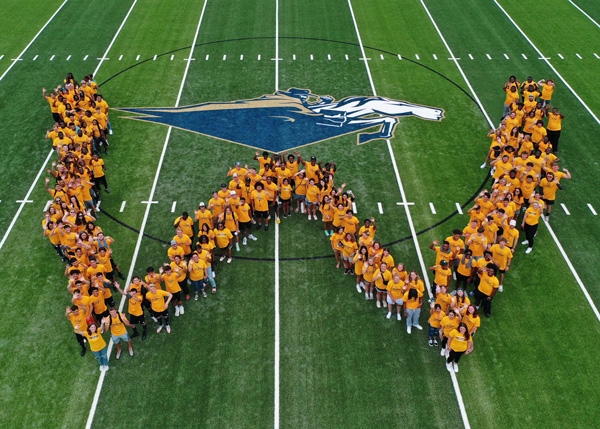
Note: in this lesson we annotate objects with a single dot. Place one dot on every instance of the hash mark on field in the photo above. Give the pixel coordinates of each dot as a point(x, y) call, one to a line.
point(346, 56)
point(459, 208)
point(488, 56)
point(224, 57)
point(172, 57)
point(506, 56)
point(52, 57)
point(524, 56)
point(354, 207)
point(120, 57)
point(592, 210)
point(405, 204)
point(544, 58)
point(207, 57)
point(294, 57)
point(431, 206)
point(122, 206)
point(1, 56)
point(579, 56)
point(400, 57)
point(565, 209)
point(434, 56)
point(148, 202)
point(311, 57)
point(84, 58)
point(173, 206)
point(380, 208)
point(329, 57)
point(137, 58)
point(417, 56)
point(35, 58)
point(242, 57)
point(259, 57)
point(596, 55)
point(24, 201)
point(381, 56)
point(470, 56)
point(154, 58)
point(560, 56)
point(69, 57)
point(47, 206)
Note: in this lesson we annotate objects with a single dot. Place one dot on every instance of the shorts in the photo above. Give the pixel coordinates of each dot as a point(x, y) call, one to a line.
point(308, 203)
point(262, 214)
point(176, 296)
point(135, 320)
point(226, 247)
point(501, 271)
point(392, 301)
point(347, 258)
point(380, 290)
point(89, 205)
point(299, 197)
point(245, 226)
point(118, 339)
point(285, 201)
point(548, 202)
point(110, 276)
point(160, 313)
point(101, 316)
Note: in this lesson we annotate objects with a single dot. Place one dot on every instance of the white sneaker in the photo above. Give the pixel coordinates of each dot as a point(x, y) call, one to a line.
point(483, 165)
point(181, 311)
point(366, 295)
point(389, 315)
point(455, 365)
point(358, 289)
point(228, 260)
point(529, 249)
point(213, 275)
point(237, 246)
point(222, 258)
point(315, 217)
point(454, 275)
point(101, 368)
point(378, 304)
point(176, 311)
point(110, 132)
point(419, 327)
point(168, 329)
point(362, 285)
point(189, 282)
point(371, 295)
point(244, 241)
point(252, 237)
point(159, 329)
point(525, 242)
point(442, 352)
point(547, 218)
point(409, 329)
point(155, 319)
point(130, 352)
point(196, 297)
point(398, 316)
point(308, 217)
point(449, 366)
point(500, 288)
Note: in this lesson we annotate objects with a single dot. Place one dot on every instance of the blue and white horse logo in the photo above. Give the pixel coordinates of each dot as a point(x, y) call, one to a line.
point(289, 119)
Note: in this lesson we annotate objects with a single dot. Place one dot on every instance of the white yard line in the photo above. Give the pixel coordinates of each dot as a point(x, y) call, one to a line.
point(592, 210)
point(143, 226)
point(582, 11)
point(354, 208)
point(565, 209)
point(122, 206)
point(432, 207)
point(549, 64)
point(380, 207)
point(277, 324)
point(114, 38)
point(459, 208)
point(173, 206)
point(411, 225)
point(33, 40)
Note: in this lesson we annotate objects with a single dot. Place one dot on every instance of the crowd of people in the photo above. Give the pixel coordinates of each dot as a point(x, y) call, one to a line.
point(522, 157)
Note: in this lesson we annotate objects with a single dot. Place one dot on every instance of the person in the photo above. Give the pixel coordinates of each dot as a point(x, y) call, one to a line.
point(435, 319)
point(512, 95)
point(244, 213)
point(313, 196)
point(223, 240)
point(260, 205)
point(184, 241)
point(448, 324)
point(286, 195)
point(548, 88)
point(460, 301)
point(470, 316)
point(99, 176)
point(327, 211)
point(395, 294)
point(180, 267)
point(443, 274)
point(554, 128)
point(413, 299)
point(175, 249)
point(159, 305)
point(368, 275)
point(459, 343)
point(118, 331)
point(502, 257)
point(78, 319)
point(336, 238)
point(530, 224)
point(381, 277)
point(203, 216)
point(349, 248)
point(93, 333)
point(488, 286)
point(198, 275)
point(168, 275)
point(549, 185)
point(136, 312)
point(464, 271)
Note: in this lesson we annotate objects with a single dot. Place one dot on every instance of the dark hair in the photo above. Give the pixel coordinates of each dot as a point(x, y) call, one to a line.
point(467, 335)
point(150, 270)
point(413, 294)
point(456, 231)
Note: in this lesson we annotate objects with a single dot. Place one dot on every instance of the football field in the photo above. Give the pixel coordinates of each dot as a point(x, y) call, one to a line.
point(287, 341)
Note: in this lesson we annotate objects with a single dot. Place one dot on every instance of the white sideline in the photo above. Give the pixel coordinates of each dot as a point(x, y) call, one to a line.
point(32, 40)
point(582, 11)
point(143, 226)
point(558, 244)
point(461, 404)
point(277, 342)
point(549, 64)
